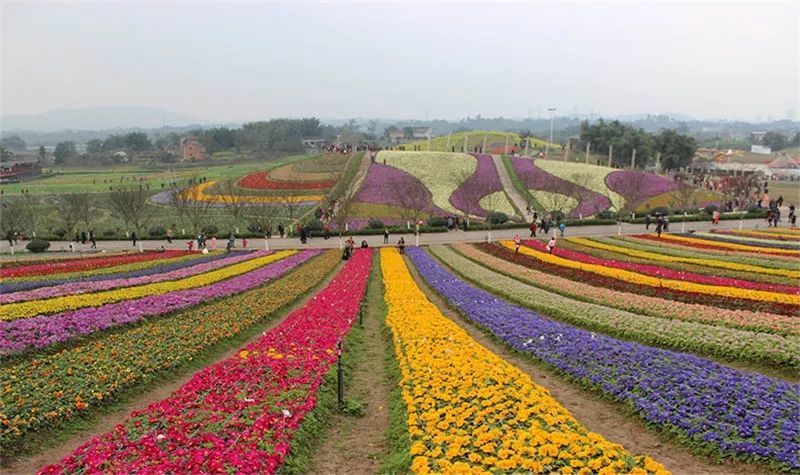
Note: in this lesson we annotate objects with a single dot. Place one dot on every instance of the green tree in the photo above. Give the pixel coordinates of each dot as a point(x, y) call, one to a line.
point(623, 138)
point(795, 142)
point(775, 141)
point(65, 152)
point(42, 153)
point(676, 149)
point(13, 142)
point(94, 147)
point(138, 142)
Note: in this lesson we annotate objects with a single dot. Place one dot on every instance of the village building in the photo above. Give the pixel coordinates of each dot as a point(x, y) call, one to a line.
point(19, 171)
point(192, 150)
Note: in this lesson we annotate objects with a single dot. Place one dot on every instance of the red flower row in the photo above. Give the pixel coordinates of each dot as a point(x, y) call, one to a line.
point(622, 286)
point(664, 272)
point(238, 415)
point(77, 265)
point(260, 181)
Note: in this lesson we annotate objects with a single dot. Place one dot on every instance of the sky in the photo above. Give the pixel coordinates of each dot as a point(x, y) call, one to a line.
point(238, 61)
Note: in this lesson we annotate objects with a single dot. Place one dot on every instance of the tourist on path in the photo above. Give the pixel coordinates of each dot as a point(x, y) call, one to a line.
point(386, 235)
point(551, 244)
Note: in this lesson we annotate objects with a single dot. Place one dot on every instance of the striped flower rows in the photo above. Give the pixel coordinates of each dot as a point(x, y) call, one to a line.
point(51, 388)
point(237, 415)
point(40, 332)
point(469, 411)
point(73, 302)
point(726, 246)
point(706, 405)
point(76, 265)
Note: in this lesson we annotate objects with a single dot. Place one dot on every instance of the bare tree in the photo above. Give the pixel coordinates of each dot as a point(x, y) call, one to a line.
point(190, 205)
point(291, 205)
point(70, 209)
point(684, 196)
point(16, 214)
point(634, 185)
point(740, 187)
point(131, 204)
point(234, 202)
point(262, 216)
point(412, 198)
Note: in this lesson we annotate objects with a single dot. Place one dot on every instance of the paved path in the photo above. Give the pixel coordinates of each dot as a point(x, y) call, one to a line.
point(511, 191)
point(376, 241)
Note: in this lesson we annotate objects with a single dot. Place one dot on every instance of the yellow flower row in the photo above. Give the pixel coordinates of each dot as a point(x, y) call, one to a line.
point(653, 256)
point(202, 195)
point(729, 245)
point(31, 308)
point(469, 411)
point(636, 278)
point(766, 234)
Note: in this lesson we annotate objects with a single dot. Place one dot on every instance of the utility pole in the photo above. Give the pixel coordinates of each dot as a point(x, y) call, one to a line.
point(633, 160)
point(610, 154)
point(505, 151)
point(547, 147)
point(465, 142)
point(483, 149)
point(588, 143)
point(448, 141)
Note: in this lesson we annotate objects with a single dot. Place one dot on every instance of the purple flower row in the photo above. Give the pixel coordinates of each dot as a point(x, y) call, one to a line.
point(157, 268)
point(485, 179)
point(84, 287)
point(638, 185)
point(383, 182)
point(738, 413)
point(40, 332)
point(534, 178)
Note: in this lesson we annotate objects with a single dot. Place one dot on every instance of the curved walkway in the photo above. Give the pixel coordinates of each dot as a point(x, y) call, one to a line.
point(511, 191)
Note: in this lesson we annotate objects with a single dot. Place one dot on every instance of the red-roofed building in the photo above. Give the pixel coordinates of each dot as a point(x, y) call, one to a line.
point(19, 171)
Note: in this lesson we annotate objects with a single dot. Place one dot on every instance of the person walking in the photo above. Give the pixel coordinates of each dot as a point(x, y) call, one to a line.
point(169, 235)
point(281, 230)
point(533, 228)
point(792, 216)
point(516, 243)
point(92, 239)
point(715, 218)
point(401, 245)
point(303, 235)
point(385, 235)
point(562, 227)
point(551, 244)
point(647, 222)
point(659, 227)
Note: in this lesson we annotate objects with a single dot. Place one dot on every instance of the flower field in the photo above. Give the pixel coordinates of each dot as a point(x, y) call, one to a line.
point(695, 338)
point(238, 415)
point(595, 178)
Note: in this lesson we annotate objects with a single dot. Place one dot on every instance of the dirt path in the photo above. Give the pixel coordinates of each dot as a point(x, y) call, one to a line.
point(361, 175)
point(356, 445)
point(603, 417)
point(106, 422)
point(519, 200)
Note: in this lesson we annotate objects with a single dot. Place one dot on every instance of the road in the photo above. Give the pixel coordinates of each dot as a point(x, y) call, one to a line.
point(376, 241)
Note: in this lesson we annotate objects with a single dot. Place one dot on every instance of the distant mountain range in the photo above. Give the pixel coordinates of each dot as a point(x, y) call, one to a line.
point(97, 118)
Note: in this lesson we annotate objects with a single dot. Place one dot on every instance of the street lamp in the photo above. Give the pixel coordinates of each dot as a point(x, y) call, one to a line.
point(547, 147)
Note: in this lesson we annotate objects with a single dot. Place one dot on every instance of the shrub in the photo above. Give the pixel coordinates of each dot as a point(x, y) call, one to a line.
point(753, 208)
point(109, 233)
point(498, 218)
point(606, 214)
point(38, 245)
point(314, 225)
point(437, 222)
point(210, 230)
point(662, 210)
point(254, 228)
point(60, 233)
point(709, 209)
point(375, 224)
point(157, 231)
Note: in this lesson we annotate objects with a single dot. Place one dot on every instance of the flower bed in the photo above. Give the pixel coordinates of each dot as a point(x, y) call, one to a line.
point(638, 185)
point(486, 180)
point(471, 411)
point(262, 181)
point(70, 266)
point(238, 415)
point(383, 182)
point(537, 249)
point(719, 245)
point(165, 265)
point(440, 172)
point(706, 405)
point(505, 262)
point(19, 310)
point(53, 388)
point(761, 234)
point(688, 260)
point(40, 332)
point(748, 240)
point(72, 288)
point(534, 178)
point(595, 175)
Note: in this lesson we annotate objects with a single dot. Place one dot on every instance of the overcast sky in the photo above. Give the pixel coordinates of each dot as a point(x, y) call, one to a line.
point(244, 61)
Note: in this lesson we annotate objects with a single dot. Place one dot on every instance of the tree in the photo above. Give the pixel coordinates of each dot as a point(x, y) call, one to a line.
point(5, 155)
point(411, 197)
point(65, 152)
point(131, 204)
point(684, 196)
point(138, 142)
point(677, 150)
point(795, 142)
point(13, 142)
point(634, 184)
point(387, 132)
point(775, 141)
point(17, 213)
point(234, 202)
point(263, 216)
point(94, 146)
point(741, 187)
point(69, 209)
point(42, 153)
point(189, 204)
point(408, 133)
point(623, 138)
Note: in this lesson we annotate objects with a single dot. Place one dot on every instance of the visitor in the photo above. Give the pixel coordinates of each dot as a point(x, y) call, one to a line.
point(551, 244)
point(326, 228)
point(281, 230)
point(715, 217)
point(659, 226)
point(303, 235)
point(385, 235)
point(92, 239)
point(561, 227)
point(533, 229)
point(364, 244)
point(190, 244)
point(213, 243)
point(647, 222)
point(516, 243)
point(10, 237)
point(169, 236)
point(83, 237)
point(244, 243)
point(133, 238)
point(401, 245)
